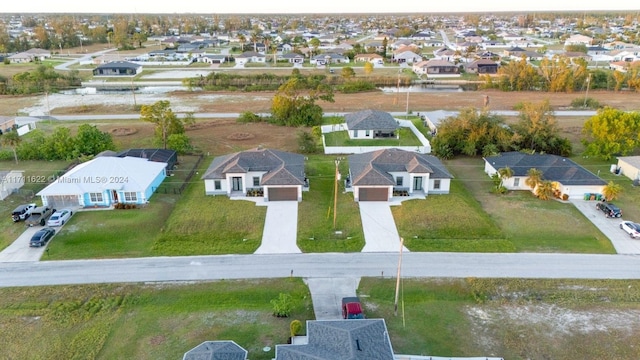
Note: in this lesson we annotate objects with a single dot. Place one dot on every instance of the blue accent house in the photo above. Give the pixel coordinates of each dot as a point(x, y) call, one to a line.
point(104, 182)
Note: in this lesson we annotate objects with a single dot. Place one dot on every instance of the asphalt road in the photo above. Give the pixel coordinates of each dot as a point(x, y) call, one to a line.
point(331, 265)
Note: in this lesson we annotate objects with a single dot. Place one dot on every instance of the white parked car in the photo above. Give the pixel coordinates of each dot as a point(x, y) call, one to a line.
point(631, 228)
point(59, 217)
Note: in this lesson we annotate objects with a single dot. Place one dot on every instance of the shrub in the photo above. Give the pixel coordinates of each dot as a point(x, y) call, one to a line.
point(588, 103)
point(295, 327)
point(249, 117)
point(282, 305)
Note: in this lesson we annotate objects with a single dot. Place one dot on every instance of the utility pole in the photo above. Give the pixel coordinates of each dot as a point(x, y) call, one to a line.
point(335, 195)
point(395, 303)
point(586, 94)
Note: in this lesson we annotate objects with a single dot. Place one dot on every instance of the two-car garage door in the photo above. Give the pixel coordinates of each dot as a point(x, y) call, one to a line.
point(373, 194)
point(283, 194)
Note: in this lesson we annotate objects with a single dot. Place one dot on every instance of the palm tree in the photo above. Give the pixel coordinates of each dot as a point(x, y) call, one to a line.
point(544, 191)
point(11, 139)
point(504, 174)
point(242, 39)
point(534, 178)
point(611, 191)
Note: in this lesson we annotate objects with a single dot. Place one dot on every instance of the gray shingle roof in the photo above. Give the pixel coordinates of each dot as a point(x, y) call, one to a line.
point(282, 168)
point(553, 167)
point(370, 120)
point(361, 339)
point(216, 350)
point(119, 65)
point(374, 168)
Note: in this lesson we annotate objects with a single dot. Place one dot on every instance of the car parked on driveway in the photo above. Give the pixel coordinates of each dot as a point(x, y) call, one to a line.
point(59, 217)
point(22, 212)
point(631, 228)
point(41, 237)
point(609, 209)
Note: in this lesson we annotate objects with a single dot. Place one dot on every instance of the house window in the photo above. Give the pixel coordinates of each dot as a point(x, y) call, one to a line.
point(256, 181)
point(436, 184)
point(217, 185)
point(366, 133)
point(355, 133)
point(399, 180)
point(516, 181)
point(96, 197)
point(130, 196)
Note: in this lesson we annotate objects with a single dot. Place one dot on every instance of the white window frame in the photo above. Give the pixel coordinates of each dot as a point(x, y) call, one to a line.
point(96, 197)
point(130, 196)
point(436, 184)
point(217, 184)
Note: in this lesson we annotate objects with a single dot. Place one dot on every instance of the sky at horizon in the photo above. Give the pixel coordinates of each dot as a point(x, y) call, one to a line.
point(306, 6)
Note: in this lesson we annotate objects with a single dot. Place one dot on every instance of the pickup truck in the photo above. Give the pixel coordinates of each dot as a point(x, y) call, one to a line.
point(22, 212)
point(39, 216)
point(351, 308)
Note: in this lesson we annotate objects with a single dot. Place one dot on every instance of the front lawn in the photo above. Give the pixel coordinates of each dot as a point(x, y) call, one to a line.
point(315, 213)
point(341, 138)
point(151, 321)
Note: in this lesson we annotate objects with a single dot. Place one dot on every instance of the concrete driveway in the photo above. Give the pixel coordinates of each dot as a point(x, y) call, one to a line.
point(19, 250)
point(380, 232)
point(280, 233)
point(327, 294)
point(610, 227)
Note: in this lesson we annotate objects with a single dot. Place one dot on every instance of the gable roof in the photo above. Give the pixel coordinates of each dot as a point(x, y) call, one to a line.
point(370, 120)
point(282, 168)
point(216, 350)
point(119, 65)
point(375, 168)
point(84, 177)
point(631, 160)
point(362, 339)
point(553, 167)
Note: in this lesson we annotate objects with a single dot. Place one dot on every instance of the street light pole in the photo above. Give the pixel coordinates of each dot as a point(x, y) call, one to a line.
point(395, 303)
point(586, 94)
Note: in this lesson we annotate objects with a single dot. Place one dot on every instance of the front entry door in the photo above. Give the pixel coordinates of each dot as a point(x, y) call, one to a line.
point(417, 183)
point(236, 183)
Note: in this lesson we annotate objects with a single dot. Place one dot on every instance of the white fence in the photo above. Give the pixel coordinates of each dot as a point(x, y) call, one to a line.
point(425, 148)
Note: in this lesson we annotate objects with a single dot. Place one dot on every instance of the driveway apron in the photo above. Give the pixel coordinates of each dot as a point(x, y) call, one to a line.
point(327, 294)
point(19, 250)
point(610, 227)
point(380, 232)
point(280, 232)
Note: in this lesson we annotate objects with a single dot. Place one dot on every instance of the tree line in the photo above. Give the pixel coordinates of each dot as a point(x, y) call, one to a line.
point(43, 79)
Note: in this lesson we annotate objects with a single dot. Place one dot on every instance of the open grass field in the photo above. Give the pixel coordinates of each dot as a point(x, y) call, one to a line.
point(341, 138)
point(145, 321)
point(509, 318)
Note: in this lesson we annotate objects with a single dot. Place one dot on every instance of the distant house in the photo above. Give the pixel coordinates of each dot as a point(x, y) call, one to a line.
point(567, 176)
point(578, 39)
point(483, 66)
point(10, 182)
point(436, 67)
point(34, 54)
point(629, 166)
point(216, 350)
point(250, 56)
point(340, 340)
point(7, 123)
point(213, 58)
point(105, 181)
point(275, 175)
point(118, 68)
point(371, 124)
point(372, 58)
point(20, 58)
point(293, 58)
point(377, 175)
point(406, 55)
point(329, 58)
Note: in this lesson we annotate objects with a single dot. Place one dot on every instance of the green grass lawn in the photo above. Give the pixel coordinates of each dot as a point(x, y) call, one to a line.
point(37, 175)
point(341, 138)
point(530, 224)
point(508, 318)
point(315, 213)
point(152, 321)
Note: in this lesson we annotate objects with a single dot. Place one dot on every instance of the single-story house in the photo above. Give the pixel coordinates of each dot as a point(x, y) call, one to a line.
point(629, 166)
point(275, 175)
point(436, 67)
point(378, 175)
point(38, 53)
point(568, 177)
point(216, 350)
point(329, 58)
point(340, 340)
point(250, 56)
point(10, 182)
point(406, 56)
point(105, 181)
point(293, 58)
point(118, 68)
point(578, 39)
point(20, 58)
point(372, 58)
point(371, 124)
point(483, 66)
point(213, 58)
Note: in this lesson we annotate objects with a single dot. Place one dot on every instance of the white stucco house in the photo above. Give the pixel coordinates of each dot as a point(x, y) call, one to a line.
point(371, 124)
point(10, 182)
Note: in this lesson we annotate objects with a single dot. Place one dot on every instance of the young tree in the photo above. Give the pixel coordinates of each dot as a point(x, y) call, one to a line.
point(534, 178)
point(611, 132)
point(91, 141)
point(611, 191)
point(180, 143)
point(368, 68)
point(348, 72)
point(294, 104)
point(544, 191)
point(537, 130)
point(167, 123)
point(315, 44)
point(11, 139)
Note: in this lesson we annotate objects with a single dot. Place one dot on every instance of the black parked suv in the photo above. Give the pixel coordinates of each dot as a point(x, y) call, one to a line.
point(609, 209)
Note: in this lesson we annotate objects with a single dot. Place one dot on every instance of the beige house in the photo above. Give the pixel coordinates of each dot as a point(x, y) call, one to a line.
point(10, 182)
